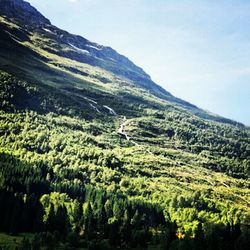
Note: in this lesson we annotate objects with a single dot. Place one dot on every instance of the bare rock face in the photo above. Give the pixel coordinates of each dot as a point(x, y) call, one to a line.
point(22, 11)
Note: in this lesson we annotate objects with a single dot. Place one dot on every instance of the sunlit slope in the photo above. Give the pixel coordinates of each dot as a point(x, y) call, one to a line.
point(45, 54)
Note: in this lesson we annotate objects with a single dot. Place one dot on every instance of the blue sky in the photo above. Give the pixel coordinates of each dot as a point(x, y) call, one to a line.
point(197, 50)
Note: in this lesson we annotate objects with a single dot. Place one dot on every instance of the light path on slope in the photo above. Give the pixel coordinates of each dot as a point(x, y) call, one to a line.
point(49, 31)
point(121, 131)
point(84, 51)
point(95, 108)
point(111, 111)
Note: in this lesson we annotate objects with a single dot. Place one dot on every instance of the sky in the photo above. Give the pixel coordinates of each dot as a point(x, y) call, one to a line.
point(199, 50)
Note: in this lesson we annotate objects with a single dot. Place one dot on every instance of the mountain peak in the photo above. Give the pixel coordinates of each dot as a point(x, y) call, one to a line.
point(22, 11)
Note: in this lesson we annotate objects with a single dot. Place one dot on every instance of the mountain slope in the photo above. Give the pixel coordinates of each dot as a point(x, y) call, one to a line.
point(37, 33)
point(96, 151)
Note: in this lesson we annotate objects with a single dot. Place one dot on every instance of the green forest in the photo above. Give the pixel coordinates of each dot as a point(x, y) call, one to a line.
point(75, 183)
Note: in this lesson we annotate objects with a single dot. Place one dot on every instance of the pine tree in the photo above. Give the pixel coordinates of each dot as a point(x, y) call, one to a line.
point(51, 221)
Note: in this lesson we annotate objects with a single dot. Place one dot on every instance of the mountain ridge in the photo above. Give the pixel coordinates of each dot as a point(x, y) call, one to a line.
point(23, 11)
point(82, 50)
point(126, 68)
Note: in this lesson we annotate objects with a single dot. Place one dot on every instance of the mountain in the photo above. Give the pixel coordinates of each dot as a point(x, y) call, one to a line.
point(58, 42)
point(75, 47)
point(95, 155)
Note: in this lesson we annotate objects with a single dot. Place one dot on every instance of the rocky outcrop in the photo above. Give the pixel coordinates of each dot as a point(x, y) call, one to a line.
point(22, 11)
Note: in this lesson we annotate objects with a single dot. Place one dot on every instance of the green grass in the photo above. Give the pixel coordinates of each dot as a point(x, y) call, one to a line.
point(10, 242)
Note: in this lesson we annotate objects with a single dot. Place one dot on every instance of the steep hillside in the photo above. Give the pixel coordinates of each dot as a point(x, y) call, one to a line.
point(31, 35)
point(104, 158)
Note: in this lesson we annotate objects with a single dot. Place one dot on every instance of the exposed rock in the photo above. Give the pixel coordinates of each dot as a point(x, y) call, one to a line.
point(22, 11)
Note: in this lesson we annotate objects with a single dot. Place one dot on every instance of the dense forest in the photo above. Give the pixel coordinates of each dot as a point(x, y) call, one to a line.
point(92, 158)
point(76, 183)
